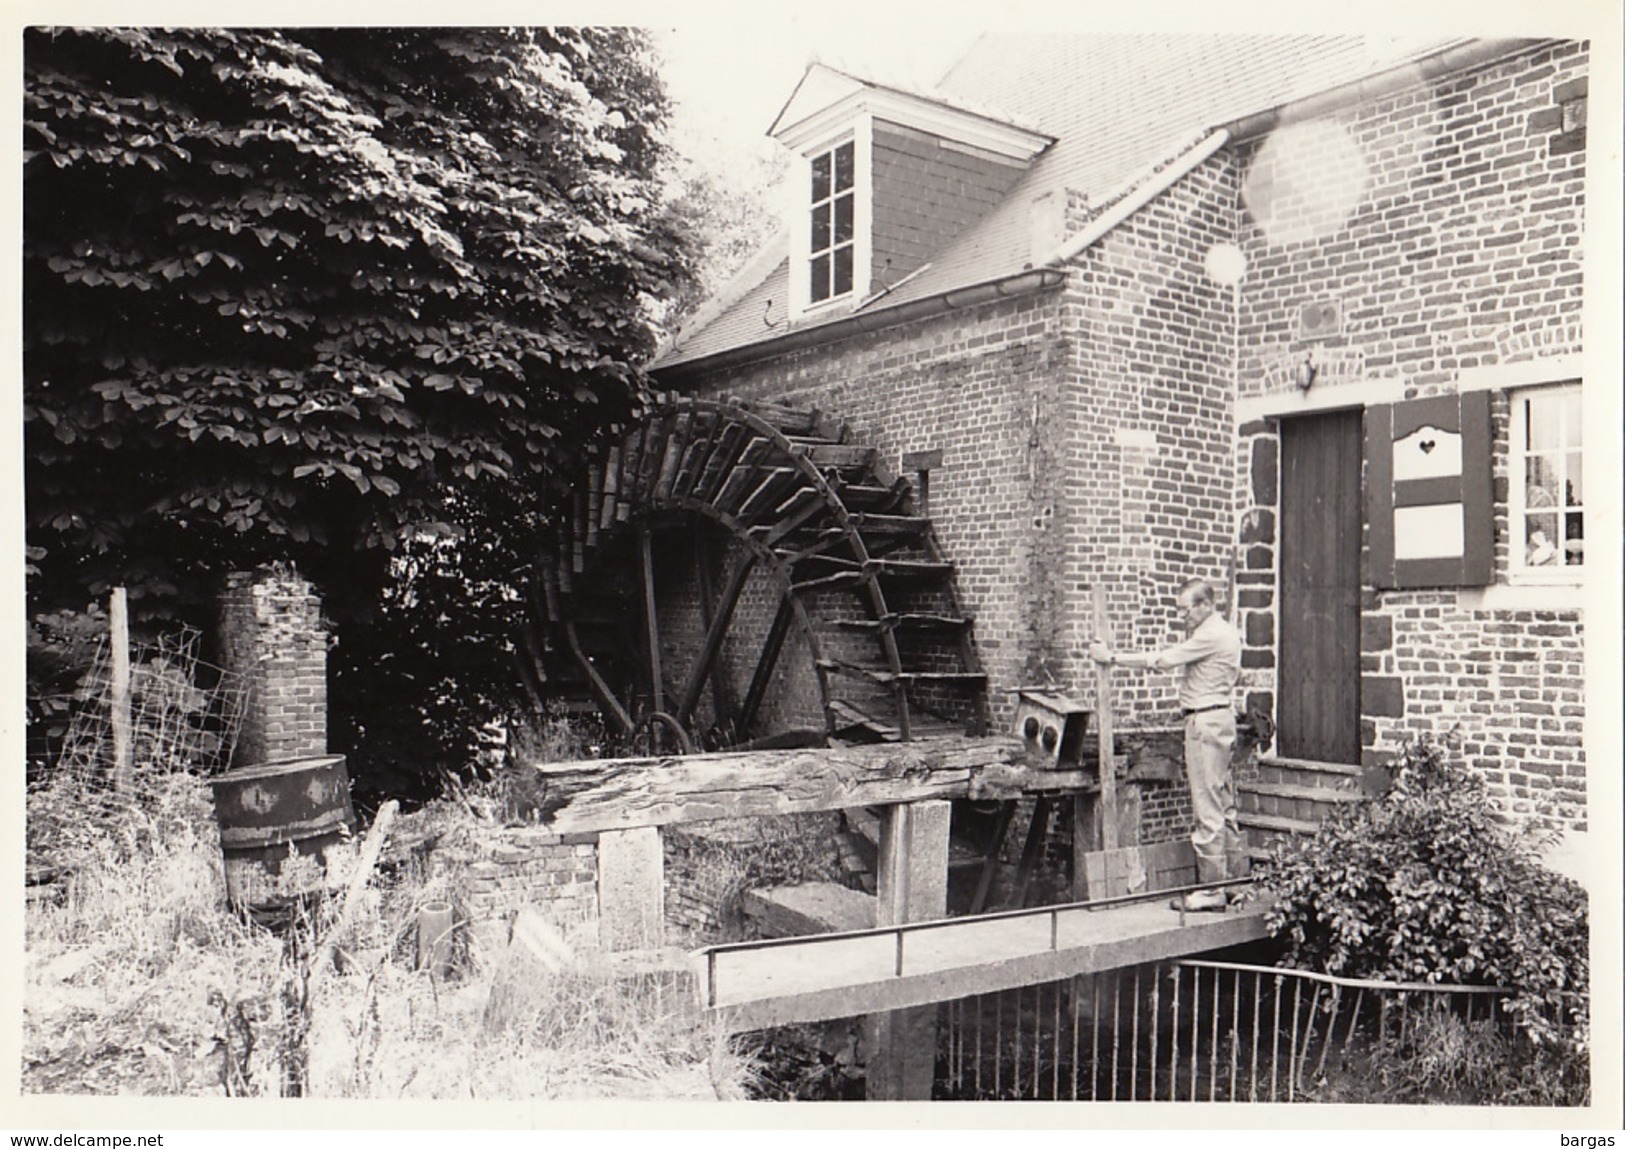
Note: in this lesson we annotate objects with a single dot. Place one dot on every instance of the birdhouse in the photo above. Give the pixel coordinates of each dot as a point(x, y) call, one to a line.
point(1051, 727)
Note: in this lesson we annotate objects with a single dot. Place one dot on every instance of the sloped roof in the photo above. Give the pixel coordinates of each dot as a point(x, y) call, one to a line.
point(1116, 103)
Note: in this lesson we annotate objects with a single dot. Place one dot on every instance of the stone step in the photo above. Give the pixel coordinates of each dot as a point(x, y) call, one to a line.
point(1277, 823)
point(1302, 772)
point(1305, 803)
point(809, 908)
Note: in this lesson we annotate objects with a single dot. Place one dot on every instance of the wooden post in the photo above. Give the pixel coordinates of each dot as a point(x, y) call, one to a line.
point(922, 463)
point(1103, 714)
point(118, 617)
point(646, 553)
point(911, 885)
point(715, 633)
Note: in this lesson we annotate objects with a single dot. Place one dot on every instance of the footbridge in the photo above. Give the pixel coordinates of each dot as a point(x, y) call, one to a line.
point(914, 956)
point(755, 985)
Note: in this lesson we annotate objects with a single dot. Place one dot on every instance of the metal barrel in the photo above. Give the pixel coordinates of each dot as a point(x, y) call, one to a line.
point(278, 820)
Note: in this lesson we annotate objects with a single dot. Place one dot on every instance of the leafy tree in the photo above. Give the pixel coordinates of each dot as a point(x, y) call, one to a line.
point(322, 295)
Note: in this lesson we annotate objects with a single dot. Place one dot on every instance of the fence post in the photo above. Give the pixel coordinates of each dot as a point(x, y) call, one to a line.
point(118, 617)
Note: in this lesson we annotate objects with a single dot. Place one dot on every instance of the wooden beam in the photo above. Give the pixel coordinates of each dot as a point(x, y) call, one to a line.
point(601, 689)
point(725, 713)
point(619, 793)
point(657, 691)
point(764, 665)
point(118, 618)
point(718, 629)
point(1103, 722)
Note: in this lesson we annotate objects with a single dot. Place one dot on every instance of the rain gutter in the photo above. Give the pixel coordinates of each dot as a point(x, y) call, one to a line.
point(864, 322)
point(1458, 57)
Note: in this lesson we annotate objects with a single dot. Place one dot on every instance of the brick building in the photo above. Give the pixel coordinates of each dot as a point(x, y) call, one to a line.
point(1277, 311)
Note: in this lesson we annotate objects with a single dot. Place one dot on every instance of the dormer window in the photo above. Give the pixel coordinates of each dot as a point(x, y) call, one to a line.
point(833, 224)
point(885, 177)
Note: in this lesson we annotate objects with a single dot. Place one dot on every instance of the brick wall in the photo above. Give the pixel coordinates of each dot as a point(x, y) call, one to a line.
point(492, 876)
point(1462, 251)
point(1089, 434)
point(984, 385)
point(1149, 495)
point(271, 634)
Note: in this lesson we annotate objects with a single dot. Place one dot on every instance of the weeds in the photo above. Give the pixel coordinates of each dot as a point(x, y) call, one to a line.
point(141, 980)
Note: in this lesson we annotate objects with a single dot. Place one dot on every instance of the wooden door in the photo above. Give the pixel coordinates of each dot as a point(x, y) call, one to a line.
point(1318, 697)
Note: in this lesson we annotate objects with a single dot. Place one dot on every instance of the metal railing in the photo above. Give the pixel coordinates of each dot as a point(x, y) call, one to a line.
point(1189, 1030)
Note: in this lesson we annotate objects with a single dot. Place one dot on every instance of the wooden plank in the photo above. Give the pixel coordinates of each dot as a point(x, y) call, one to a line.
point(1103, 723)
point(763, 674)
point(118, 620)
point(617, 793)
point(1139, 869)
point(717, 630)
point(612, 478)
point(651, 618)
point(922, 460)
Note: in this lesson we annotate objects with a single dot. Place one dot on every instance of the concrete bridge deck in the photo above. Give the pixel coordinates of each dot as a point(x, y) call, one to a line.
point(754, 985)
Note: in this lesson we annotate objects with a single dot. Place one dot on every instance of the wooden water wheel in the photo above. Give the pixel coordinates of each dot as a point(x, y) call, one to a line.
point(713, 497)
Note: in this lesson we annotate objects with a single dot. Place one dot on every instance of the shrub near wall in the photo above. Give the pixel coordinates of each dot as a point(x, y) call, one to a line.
point(1429, 884)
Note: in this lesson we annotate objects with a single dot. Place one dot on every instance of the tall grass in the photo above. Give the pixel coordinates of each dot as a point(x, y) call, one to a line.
point(141, 980)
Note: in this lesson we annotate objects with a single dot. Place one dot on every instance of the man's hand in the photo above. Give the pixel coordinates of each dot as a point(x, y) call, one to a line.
point(1100, 652)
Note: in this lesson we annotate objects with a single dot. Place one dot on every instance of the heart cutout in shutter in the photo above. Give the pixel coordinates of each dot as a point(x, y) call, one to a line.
point(1427, 446)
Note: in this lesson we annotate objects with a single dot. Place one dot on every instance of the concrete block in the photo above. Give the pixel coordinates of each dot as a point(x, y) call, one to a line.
point(631, 889)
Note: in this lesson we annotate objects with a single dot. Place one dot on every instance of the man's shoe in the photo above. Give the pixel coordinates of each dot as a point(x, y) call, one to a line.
point(1200, 901)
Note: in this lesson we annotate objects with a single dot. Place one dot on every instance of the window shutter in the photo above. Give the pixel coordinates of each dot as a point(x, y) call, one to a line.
point(1429, 505)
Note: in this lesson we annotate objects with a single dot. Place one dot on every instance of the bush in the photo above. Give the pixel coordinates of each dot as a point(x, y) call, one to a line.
point(1429, 884)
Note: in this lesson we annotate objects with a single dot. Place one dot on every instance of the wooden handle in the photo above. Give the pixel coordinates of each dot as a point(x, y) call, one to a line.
point(1103, 723)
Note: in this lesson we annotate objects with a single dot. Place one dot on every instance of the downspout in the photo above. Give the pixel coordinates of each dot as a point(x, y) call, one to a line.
point(1147, 191)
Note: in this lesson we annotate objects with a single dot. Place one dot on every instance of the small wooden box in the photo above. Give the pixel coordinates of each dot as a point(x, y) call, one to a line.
point(1051, 726)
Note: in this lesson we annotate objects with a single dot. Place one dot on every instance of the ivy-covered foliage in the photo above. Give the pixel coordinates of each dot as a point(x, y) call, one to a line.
point(1430, 884)
point(320, 295)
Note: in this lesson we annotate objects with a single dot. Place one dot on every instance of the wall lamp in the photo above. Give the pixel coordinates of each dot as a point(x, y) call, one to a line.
point(1304, 374)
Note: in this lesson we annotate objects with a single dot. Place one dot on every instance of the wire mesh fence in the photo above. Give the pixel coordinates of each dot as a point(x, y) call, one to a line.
point(184, 712)
point(183, 716)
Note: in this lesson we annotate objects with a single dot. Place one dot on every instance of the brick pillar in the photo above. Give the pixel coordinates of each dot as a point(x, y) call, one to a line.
point(273, 637)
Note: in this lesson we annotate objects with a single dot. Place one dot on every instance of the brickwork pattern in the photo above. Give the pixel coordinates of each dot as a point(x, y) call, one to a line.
point(272, 635)
point(509, 868)
point(1149, 493)
point(1464, 250)
point(1511, 684)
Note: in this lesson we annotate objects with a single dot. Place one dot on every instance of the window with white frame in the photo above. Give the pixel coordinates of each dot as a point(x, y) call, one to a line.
point(1545, 494)
point(832, 232)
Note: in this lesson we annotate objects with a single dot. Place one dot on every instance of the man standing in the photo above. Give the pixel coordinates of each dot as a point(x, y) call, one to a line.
point(1209, 662)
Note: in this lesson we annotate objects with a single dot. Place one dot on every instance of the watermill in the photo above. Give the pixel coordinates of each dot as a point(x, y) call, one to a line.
point(720, 548)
